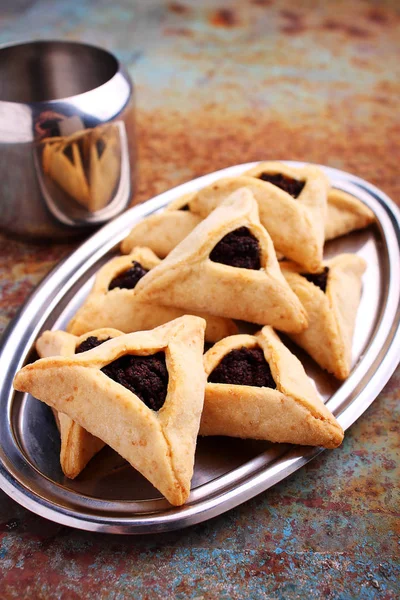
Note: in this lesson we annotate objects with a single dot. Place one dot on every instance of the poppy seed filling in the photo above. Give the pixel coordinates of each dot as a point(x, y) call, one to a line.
point(239, 248)
point(244, 366)
point(318, 279)
point(144, 376)
point(68, 153)
point(100, 147)
point(292, 186)
point(129, 278)
point(90, 343)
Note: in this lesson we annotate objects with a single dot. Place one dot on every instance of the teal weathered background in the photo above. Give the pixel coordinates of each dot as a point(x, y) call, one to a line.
point(220, 83)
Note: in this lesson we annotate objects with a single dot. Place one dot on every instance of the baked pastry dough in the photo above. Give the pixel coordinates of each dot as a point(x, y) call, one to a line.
point(120, 308)
point(331, 313)
point(161, 232)
point(158, 443)
point(345, 214)
point(78, 446)
point(295, 224)
point(193, 277)
point(285, 407)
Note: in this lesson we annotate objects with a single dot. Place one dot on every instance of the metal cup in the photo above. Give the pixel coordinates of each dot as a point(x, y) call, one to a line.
point(67, 138)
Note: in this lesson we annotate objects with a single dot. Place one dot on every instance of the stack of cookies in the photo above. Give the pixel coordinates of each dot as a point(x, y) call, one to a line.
point(130, 370)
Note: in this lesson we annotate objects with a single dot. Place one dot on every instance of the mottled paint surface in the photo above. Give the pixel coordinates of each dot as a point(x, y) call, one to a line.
point(220, 83)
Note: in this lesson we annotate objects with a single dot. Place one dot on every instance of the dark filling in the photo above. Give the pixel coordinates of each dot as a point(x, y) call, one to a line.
point(287, 184)
point(186, 207)
point(128, 279)
point(145, 376)
point(318, 279)
point(68, 153)
point(89, 343)
point(246, 366)
point(51, 125)
point(240, 248)
point(100, 145)
point(84, 154)
point(207, 346)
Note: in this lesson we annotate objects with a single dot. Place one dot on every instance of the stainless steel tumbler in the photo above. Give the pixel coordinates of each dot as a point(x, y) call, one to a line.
point(67, 138)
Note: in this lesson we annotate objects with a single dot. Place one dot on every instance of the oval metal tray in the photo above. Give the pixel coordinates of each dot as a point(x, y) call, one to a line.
point(111, 496)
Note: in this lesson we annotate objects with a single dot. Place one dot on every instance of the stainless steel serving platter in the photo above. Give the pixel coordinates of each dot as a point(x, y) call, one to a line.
point(111, 496)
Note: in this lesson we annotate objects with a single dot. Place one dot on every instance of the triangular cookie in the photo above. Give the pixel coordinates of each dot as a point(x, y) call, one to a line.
point(228, 267)
point(78, 446)
point(258, 389)
point(113, 301)
point(164, 367)
point(294, 218)
point(331, 300)
point(345, 214)
point(161, 232)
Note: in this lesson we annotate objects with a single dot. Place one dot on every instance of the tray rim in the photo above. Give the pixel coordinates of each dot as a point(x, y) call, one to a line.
point(388, 217)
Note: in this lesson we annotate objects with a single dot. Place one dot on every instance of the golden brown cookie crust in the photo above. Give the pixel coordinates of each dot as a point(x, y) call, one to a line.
point(345, 214)
point(296, 226)
point(122, 310)
point(188, 278)
point(161, 232)
point(160, 444)
point(78, 446)
point(291, 413)
point(331, 315)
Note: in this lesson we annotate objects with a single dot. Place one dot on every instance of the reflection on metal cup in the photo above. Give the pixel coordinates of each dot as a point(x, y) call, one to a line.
point(67, 138)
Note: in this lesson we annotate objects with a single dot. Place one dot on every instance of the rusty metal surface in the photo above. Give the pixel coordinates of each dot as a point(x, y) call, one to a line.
point(220, 83)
